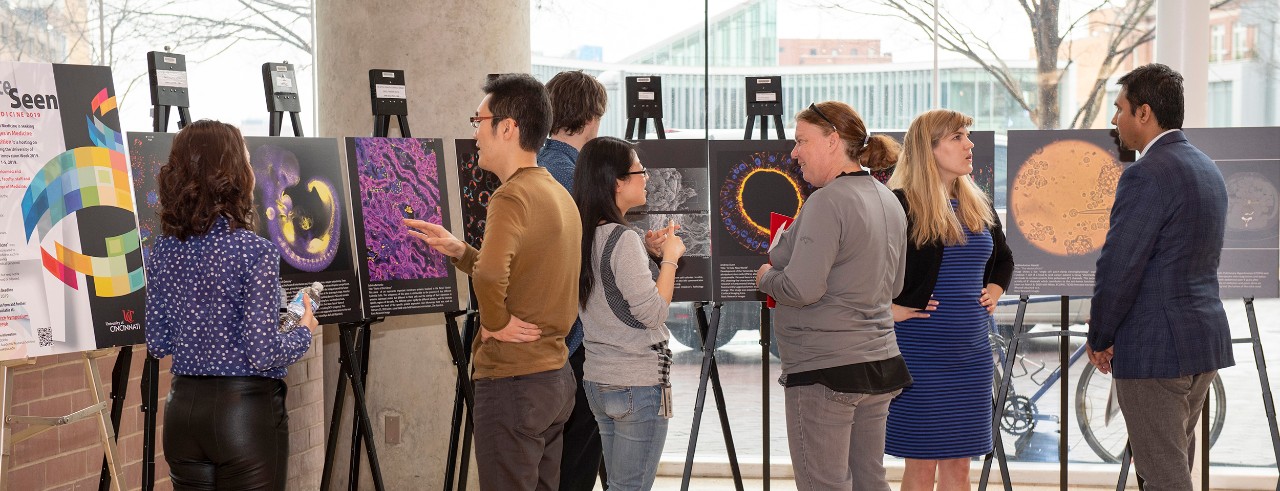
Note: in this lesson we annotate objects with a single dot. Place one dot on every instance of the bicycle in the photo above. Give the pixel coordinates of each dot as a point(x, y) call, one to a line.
point(1020, 413)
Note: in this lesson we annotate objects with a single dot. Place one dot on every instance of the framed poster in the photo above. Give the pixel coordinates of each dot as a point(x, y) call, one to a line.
point(393, 179)
point(475, 186)
point(1249, 159)
point(749, 180)
point(302, 202)
point(302, 205)
point(1061, 187)
point(71, 273)
point(678, 191)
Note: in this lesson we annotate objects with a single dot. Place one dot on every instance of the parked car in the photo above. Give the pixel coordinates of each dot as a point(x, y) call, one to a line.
point(745, 316)
point(682, 320)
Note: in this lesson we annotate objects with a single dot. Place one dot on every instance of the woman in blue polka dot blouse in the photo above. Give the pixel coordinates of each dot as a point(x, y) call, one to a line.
point(213, 298)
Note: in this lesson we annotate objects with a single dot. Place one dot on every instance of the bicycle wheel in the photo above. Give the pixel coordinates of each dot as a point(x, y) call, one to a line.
point(1108, 440)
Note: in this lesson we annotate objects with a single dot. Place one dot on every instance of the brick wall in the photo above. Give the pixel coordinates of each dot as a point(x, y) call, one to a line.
point(70, 458)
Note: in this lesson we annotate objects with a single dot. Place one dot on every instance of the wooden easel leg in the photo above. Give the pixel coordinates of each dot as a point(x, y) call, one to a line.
point(106, 431)
point(6, 445)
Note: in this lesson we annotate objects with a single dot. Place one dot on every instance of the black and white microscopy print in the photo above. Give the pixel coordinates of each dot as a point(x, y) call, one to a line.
point(694, 228)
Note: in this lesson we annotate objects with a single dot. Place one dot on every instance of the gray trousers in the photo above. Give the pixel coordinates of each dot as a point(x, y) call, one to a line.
point(519, 425)
point(1161, 415)
point(836, 438)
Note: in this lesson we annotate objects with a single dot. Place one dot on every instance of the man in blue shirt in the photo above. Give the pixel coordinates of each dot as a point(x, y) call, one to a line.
point(577, 103)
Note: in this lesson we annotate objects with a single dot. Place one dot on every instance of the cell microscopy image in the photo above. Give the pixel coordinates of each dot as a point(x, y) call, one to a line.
point(672, 190)
point(694, 228)
point(148, 152)
point(1253, 205)
point(301, 204)
point(398, 178)
point(476, 187)
point(1251, 199)
point(1061, 197)
point(757, 184)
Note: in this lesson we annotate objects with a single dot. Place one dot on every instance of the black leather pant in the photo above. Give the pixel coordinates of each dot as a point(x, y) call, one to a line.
point(226, 433)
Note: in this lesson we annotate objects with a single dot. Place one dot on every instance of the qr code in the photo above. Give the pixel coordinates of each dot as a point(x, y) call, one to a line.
point(46, 336)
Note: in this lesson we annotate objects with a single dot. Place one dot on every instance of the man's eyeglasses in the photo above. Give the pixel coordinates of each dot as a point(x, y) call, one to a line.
point(475, 120)
point(643, 172)
point(824, 117)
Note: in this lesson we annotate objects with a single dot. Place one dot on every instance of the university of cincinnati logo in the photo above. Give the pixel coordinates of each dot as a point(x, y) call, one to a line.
point(128, 315)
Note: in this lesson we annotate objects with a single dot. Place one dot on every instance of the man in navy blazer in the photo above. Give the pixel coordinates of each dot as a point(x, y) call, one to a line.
point(1157, 322)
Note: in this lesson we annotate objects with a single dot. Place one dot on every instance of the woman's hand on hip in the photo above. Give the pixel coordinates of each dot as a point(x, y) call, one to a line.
point(901, 313)
point(990, 297)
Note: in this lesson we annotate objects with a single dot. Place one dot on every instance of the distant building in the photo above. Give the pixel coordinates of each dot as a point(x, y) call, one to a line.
point(744, 43)
point(831, 52)
point(51, 32)
point(746, 35)
point(1244, 78)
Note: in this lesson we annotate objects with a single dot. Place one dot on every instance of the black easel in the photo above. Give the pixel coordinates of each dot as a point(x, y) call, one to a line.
point(1005, 383)
point(464, 393)
point(353, 361)
point(281, 87)
point(766, 336)
point(709, 331)
point(1268, 404)
point(644, 102)
point(387, 91)
point(764, 99)
point(772, 104)
point(357, 354)
point(167, 74)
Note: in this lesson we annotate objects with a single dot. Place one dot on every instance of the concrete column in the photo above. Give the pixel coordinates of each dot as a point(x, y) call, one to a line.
point(1182, 42)
point(446, 48)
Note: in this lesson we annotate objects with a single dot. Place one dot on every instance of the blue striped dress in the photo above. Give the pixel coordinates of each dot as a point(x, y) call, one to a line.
point(946, 413)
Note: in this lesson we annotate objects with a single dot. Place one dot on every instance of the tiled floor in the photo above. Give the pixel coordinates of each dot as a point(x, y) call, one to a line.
point(725, 484)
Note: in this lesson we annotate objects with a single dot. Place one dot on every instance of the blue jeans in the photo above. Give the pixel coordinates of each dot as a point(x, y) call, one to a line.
point(632, 432)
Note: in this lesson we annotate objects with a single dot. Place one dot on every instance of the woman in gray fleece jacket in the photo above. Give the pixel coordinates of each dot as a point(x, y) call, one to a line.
point(834, 274)
point(623, 310)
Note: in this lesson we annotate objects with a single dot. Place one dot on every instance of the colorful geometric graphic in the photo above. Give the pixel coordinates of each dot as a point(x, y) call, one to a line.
point(80, 178)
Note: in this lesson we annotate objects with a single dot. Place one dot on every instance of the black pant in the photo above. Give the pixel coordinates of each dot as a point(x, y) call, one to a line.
point(582, 452)
point(226, 433)
point(519, 424)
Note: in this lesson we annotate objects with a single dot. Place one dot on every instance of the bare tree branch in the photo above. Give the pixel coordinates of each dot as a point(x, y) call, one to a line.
point(1050, 35)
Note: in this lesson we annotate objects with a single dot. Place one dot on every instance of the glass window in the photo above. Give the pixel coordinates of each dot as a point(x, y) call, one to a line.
point(1239, 41)
point(224, 48)
point(1218, 49)
point(1220, 104)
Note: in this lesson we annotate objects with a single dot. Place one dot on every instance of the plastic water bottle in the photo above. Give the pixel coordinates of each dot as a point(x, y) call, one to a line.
point(294, 311)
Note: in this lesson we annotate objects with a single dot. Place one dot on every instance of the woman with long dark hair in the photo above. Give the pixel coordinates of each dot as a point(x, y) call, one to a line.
point(623, 311)
point(957, 267)
point(213, 303)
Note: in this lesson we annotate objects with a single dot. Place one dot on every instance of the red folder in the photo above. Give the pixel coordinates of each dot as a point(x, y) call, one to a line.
point(777, 223)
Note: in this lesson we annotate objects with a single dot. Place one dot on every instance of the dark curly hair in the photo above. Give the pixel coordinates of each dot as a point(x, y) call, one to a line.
point(207, 176)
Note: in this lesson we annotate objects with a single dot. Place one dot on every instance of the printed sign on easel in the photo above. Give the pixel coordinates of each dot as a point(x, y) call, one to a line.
point(70, 257)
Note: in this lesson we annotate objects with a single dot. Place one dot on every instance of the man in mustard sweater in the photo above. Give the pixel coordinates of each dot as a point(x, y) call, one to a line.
point(526, 283)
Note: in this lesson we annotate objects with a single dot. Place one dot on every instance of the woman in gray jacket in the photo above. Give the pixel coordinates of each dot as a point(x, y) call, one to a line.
point(834, 275)
point(627, 369)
